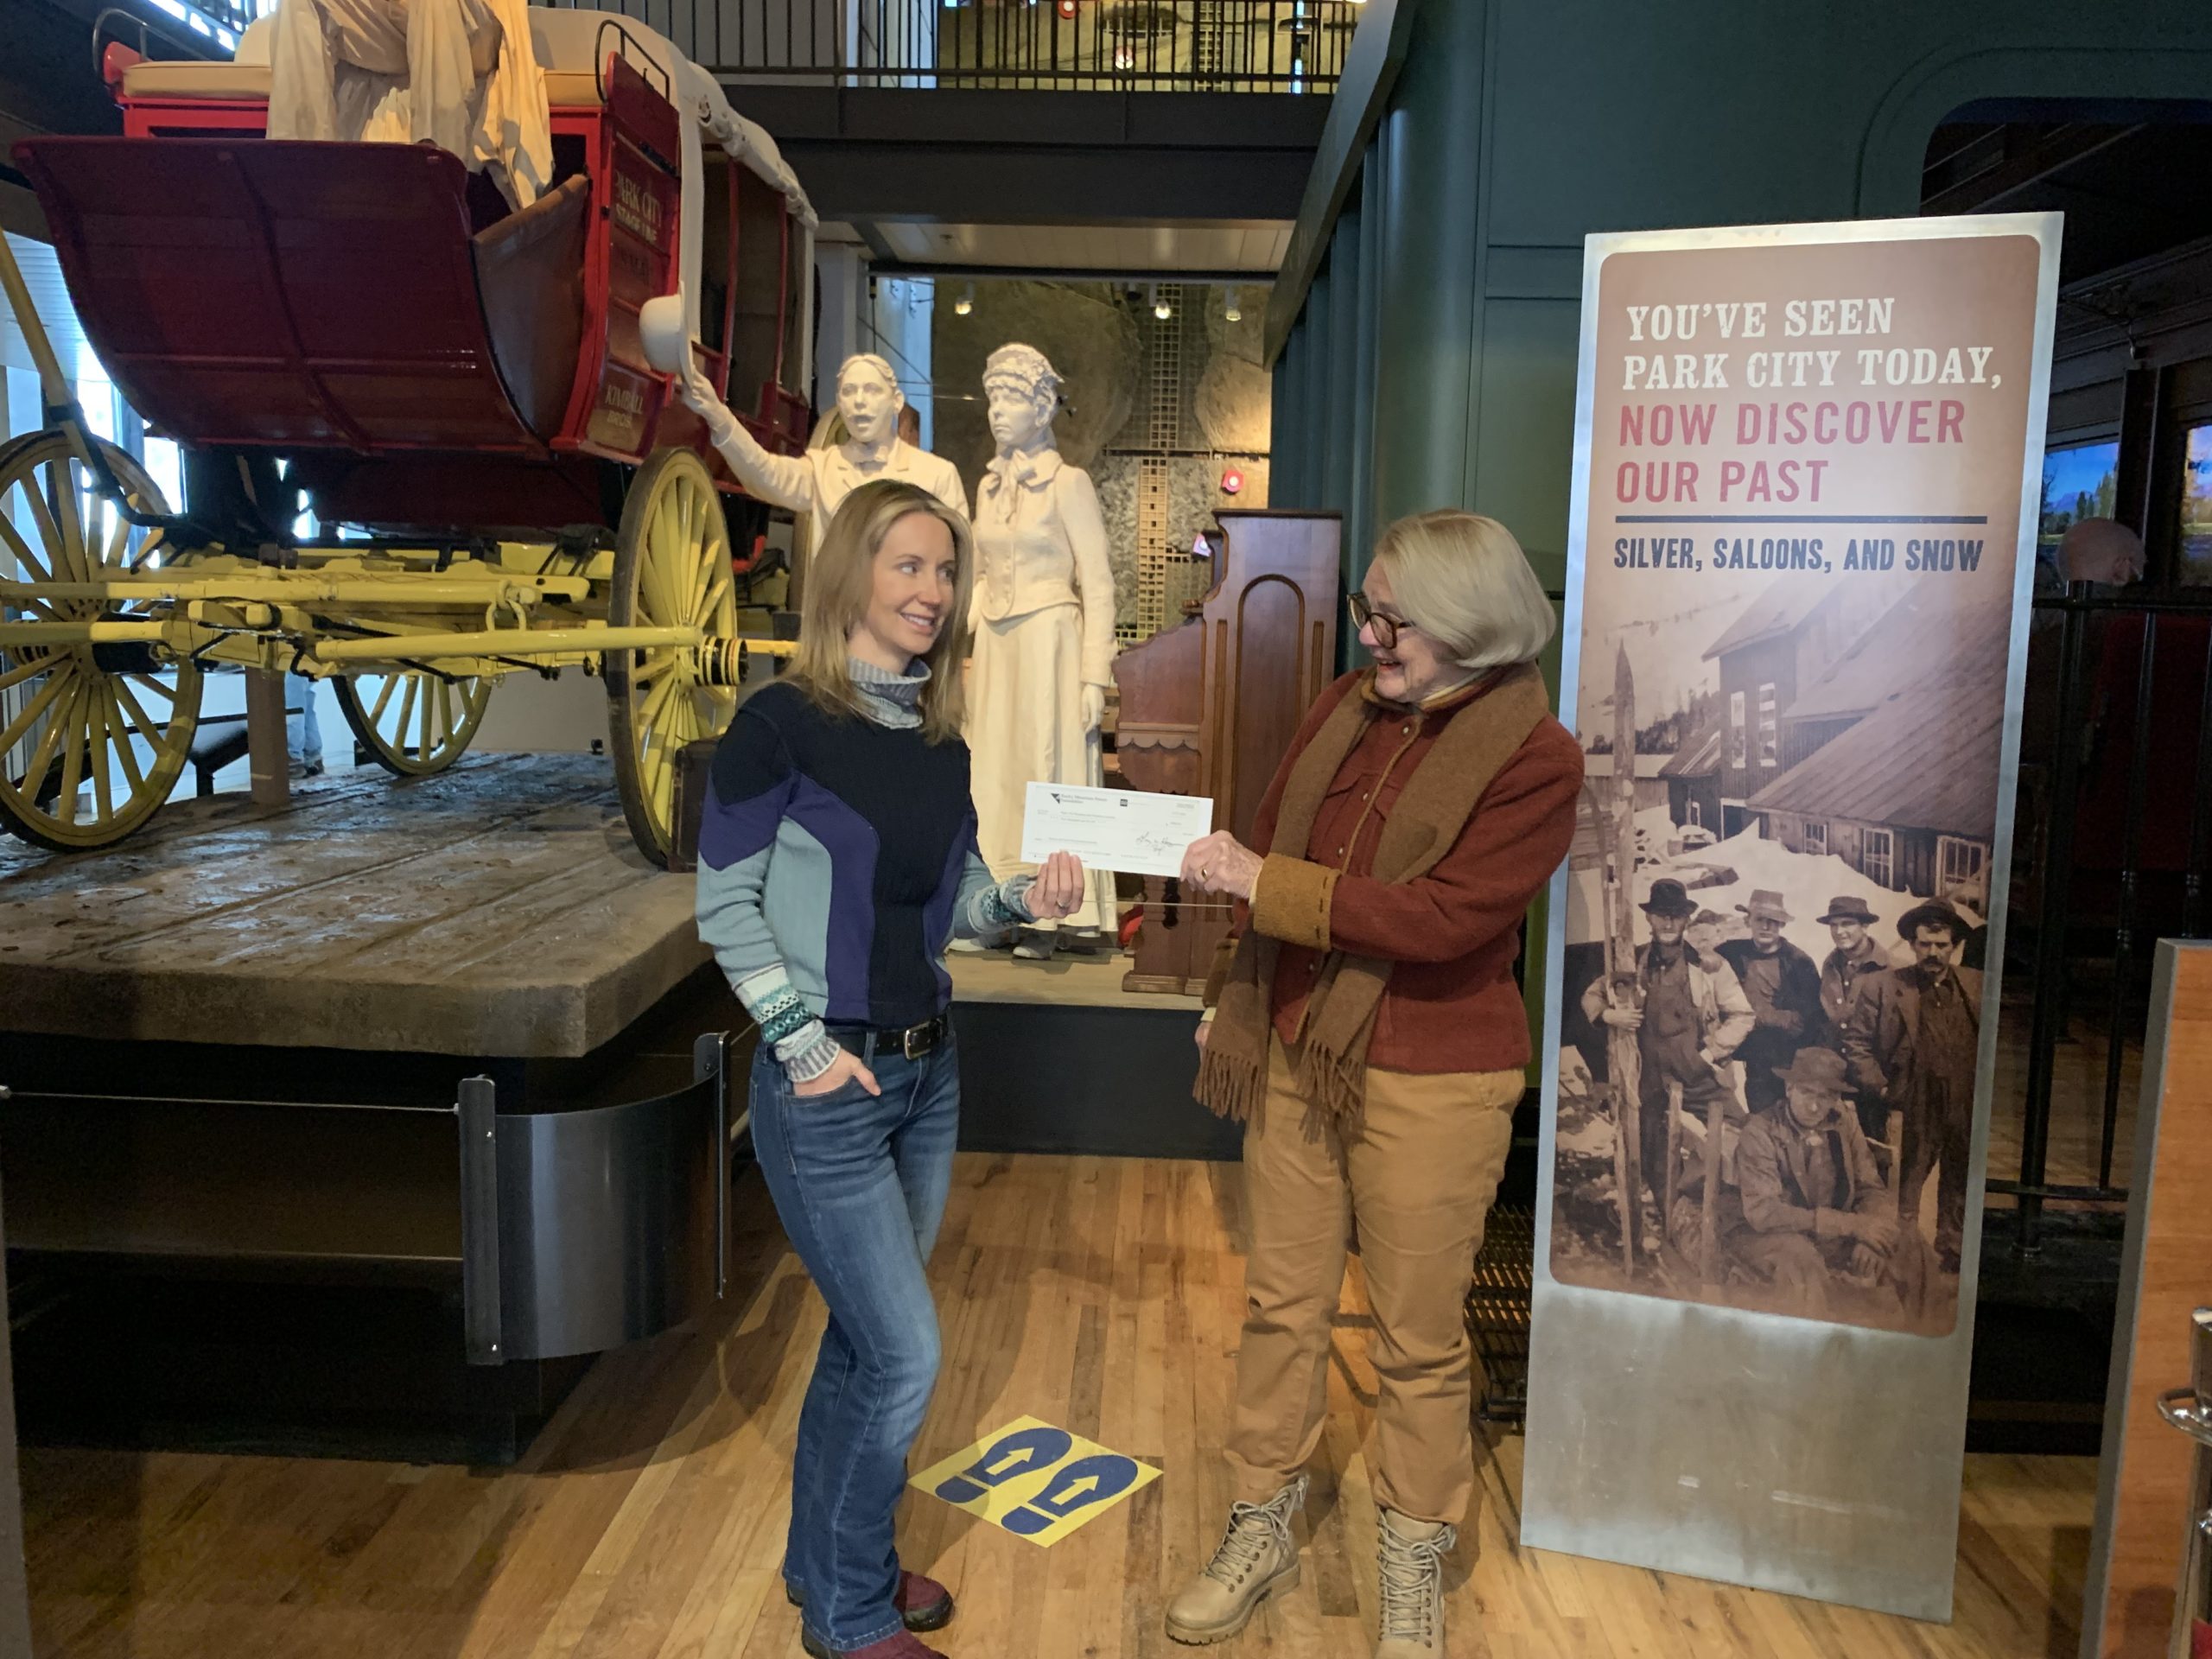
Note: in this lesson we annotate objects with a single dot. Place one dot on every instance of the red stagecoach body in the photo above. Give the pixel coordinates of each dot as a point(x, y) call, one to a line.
point(423, 356)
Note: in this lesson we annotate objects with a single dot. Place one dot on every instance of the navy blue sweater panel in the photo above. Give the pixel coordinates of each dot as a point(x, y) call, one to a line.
point(912, 794)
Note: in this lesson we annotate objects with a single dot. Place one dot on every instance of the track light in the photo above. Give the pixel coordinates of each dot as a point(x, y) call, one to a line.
point(966, 302)
point(1234, 312)
point(1161, 309)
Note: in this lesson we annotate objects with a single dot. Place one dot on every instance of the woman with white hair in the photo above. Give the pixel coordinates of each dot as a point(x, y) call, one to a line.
point(1367, 1028)
point(1044, 622)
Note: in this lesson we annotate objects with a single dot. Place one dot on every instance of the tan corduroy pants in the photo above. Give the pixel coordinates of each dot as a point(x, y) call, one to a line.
point(1419, 1172)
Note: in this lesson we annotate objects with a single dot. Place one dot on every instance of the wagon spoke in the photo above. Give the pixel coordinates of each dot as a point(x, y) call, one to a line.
point(97, 737)
point(72, 757)
point(50, 739)
point(716, 591)
point(384, 698)
point(155, 736)
point(38, 704)
point(147, 682)
point(117, 554)
point(21, 672)
point(656, 701)
point(66, 565)
point(64, 475)
point(124, 750)
point(406, 712)
point(34, 568)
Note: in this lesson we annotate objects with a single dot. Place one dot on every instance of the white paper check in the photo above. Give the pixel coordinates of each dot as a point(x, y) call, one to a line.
point(1131, 830)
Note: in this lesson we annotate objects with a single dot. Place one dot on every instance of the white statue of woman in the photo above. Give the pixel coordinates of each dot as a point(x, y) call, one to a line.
point(1044, 626)
point(816, 482)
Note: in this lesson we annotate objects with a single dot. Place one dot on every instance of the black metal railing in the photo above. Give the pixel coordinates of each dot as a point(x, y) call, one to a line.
point(196, 28)
point(2123, 762)
point(1277, 46)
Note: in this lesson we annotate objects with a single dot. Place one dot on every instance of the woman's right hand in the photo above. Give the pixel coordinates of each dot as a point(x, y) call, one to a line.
point(843, 1070)
point(1199, 1035)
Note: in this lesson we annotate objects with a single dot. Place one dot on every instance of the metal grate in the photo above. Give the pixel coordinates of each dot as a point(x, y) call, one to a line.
point(1497, 1312)
point(1163, 434)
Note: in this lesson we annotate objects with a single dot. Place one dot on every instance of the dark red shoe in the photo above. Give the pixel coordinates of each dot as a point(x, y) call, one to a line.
point(900, 1645)
point(923, 1603)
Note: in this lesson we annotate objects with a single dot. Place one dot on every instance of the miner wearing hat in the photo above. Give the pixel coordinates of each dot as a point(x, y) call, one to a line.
point(1847, 971)
point(1814, 1206)
point(1783, 988)
point(1914, 1037)
point(1688, 1015)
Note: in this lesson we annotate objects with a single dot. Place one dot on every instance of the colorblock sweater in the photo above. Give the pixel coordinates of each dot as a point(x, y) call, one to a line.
point(836, 858)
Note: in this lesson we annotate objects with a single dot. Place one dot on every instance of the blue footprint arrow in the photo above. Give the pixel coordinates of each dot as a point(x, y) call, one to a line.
point(1082, 1484)
point(1020, 1453)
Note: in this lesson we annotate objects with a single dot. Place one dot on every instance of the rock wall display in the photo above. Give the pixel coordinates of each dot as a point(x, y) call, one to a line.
point(1091, 338)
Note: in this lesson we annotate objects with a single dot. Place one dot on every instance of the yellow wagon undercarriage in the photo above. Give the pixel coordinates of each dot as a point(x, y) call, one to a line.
point(107, 628)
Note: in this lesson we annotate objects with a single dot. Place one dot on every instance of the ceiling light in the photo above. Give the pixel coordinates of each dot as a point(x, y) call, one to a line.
point(1161, 309)
point(966, 302)
point(1234, 312)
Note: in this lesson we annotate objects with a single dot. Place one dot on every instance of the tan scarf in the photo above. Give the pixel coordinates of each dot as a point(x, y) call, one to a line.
point(1424, 825)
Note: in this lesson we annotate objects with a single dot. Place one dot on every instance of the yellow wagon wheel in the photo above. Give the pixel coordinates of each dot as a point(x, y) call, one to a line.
point(413, 723)
point(92, 738)
point(671, 569)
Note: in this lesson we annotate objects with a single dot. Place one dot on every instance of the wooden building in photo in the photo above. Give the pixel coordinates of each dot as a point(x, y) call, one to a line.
point(1894, 779)
point(1781, 644)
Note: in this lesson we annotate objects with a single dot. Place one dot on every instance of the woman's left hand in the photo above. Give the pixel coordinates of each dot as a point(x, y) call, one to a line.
point(1221, 863)
point(1057, 890)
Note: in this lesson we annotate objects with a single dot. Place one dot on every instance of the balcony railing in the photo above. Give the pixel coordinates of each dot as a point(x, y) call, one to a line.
point(1271, 45)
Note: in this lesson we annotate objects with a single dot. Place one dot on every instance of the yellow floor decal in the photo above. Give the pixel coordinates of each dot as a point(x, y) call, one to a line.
point(1038, 1482)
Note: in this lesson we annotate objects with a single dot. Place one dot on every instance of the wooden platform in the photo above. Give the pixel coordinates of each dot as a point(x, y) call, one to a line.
point(1101, 1294)
point(497, 909)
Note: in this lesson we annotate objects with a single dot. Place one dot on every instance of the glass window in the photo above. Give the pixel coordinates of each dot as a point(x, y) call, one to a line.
point(2195, 567)
point(2080, 481)
point(1816, 838)
point(1962, 862)
point(1770, 735)
point(1878, 856)
point(1736, 754)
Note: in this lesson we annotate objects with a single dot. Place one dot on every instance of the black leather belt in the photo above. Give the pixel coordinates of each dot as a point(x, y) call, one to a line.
point(911, 1041)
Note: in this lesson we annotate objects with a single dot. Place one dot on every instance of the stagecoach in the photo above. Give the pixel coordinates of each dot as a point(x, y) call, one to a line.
point(499, 481)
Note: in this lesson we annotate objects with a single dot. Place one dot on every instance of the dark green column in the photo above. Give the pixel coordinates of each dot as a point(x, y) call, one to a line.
point(1430, 150)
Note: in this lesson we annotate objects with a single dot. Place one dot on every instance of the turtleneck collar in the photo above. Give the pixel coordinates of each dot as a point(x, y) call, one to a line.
point(1447, 700)
point(890, 699)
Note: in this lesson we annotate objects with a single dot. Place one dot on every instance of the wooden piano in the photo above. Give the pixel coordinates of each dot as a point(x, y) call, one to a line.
point(1208, 707)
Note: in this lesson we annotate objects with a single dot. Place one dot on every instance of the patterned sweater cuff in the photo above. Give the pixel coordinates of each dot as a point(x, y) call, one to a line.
point(809, 1053)
point(1001, 909)
point(789, 1029)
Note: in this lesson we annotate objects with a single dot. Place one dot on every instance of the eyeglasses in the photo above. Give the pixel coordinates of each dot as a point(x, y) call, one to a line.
point(1386, 626)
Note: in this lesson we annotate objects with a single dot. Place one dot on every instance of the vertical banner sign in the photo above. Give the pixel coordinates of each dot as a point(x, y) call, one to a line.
point(1807, 465)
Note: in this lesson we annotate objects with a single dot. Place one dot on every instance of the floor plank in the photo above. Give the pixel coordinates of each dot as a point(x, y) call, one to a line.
point(647, 1521)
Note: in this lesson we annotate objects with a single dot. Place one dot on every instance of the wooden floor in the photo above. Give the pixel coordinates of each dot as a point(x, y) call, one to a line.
point(1101, 1295)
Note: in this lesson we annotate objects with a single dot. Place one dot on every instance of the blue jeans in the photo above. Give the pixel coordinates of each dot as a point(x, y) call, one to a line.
point(302, 731)
point(860, 1182)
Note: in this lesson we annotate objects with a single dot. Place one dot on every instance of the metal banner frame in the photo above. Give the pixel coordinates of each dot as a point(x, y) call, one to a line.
point(1784, 1453)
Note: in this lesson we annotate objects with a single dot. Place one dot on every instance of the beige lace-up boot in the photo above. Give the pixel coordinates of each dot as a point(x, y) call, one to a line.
point(1256, 1555)
point(1411, 1583)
